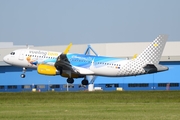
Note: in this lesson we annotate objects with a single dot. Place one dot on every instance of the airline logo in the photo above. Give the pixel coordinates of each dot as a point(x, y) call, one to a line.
point(43, 53)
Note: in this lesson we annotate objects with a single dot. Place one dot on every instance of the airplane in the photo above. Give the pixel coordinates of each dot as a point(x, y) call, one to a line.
point(72, 65)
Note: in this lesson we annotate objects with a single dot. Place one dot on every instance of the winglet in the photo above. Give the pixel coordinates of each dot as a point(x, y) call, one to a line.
point(135, 56)
point(67, 49)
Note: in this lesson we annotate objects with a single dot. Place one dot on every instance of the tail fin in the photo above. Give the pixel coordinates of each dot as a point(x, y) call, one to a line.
point(153, 52)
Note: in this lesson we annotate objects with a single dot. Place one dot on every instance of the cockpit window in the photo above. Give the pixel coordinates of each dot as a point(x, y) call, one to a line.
point(12, 53)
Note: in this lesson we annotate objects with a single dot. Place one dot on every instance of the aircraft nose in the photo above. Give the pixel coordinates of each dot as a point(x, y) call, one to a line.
point(6, 59)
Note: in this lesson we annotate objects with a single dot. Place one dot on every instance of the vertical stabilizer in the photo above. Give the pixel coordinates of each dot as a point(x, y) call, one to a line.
point(152, 54)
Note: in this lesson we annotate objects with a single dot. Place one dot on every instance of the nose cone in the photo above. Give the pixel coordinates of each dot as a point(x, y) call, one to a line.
point(6, 59)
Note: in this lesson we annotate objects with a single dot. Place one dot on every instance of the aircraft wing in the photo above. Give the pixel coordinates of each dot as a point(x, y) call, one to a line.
point(62, 63)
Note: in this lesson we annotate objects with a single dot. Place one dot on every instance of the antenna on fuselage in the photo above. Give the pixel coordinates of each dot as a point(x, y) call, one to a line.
point(27, 46)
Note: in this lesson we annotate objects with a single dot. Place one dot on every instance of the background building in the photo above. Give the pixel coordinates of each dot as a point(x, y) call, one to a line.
point(10, 79)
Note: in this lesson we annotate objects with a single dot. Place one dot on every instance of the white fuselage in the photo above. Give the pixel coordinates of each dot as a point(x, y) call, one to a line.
point(30, 58)
point(83, 64)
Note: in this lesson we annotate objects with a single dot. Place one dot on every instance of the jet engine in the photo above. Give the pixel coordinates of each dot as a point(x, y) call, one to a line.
point(47, 70)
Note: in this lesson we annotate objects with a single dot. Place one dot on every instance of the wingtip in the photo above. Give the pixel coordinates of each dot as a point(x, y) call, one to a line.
point(68, 48)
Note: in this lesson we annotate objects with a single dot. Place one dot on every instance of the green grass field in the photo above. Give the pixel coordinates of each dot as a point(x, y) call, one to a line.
point(149, 105)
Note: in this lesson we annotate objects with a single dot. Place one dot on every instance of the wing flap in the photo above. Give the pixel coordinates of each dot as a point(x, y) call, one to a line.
point(82, 71)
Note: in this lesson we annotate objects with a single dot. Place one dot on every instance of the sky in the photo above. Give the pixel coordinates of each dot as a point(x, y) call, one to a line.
point(59, 22)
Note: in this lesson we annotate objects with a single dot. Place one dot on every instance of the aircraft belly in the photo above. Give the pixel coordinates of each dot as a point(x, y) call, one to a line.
point(105, 71)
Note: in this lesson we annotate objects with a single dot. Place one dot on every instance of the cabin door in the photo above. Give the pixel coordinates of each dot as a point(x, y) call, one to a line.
point(21, 55)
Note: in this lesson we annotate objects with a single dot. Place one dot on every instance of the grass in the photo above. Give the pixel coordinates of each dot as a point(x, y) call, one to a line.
point(149, 105)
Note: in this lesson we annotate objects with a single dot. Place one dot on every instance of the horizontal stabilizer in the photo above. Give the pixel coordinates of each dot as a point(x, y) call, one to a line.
point(150, 68)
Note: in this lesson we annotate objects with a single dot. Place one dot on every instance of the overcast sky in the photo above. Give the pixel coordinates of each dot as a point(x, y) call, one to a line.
point(59, 22)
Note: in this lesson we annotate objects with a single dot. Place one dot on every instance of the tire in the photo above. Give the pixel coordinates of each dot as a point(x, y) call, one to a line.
point(85, 82)
point(23, 75)
point(70, 80)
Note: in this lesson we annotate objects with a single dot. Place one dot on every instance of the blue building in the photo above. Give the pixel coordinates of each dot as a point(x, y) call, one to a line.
point(10, 80)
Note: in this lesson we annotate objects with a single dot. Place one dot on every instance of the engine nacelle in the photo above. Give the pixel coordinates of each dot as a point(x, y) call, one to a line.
point(47, 69)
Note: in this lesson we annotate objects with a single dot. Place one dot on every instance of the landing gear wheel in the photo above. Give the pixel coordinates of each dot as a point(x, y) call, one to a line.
point(23, 76)
point(24, 71)
point(70, 80)
point(85, 82)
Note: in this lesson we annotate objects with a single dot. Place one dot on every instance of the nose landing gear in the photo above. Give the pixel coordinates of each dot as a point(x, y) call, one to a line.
point(23, 74)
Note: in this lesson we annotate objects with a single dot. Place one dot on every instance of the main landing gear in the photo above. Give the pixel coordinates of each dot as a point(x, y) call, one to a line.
point(70, 80)
point(83, 82)
point(23, 74)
